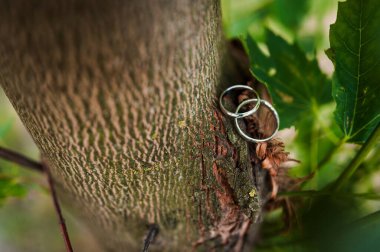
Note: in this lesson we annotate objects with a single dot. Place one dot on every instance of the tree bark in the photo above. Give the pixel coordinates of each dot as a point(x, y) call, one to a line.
point(120, 97)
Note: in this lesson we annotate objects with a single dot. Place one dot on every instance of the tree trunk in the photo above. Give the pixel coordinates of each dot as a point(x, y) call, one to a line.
point(120, 97)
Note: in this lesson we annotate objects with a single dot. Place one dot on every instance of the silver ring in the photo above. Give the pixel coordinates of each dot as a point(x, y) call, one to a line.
point(244, 135)
point(236, 114)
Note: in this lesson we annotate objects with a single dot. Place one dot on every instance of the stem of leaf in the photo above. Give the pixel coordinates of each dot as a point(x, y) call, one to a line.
point(358, 159)
point(315, 193)
point(314, 149)
point(368, 220)
point(314, 138)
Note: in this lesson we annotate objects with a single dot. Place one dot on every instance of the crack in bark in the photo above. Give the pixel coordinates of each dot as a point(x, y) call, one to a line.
point(233, 223)
point(152, 233)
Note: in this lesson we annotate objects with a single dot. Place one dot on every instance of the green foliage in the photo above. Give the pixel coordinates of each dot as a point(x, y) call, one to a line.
point(290, 13)
point(295, 20)
point(307, 99)
point(355, 51)
point(14, 182)
point(312, 33)
point(9, 187)
point(300, 93)
point(240, 15)
point(296, 84)
point(252, 16)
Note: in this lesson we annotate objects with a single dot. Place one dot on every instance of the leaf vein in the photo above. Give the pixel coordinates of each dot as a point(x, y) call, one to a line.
point(347, 47)
point(359, 66)
point(365, 125)
point(370, 69)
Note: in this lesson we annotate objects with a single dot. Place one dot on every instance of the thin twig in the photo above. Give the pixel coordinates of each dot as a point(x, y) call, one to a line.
point(65, 234)
point(152, 233)
point(315, 193)
point(41, 167)
point(358, 159)
point(367, 220)
point(20, 159)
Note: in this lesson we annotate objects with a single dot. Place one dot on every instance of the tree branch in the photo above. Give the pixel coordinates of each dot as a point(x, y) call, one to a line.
point(20, 159)
point(40, 167)
point(152, 233)
point(57, 207)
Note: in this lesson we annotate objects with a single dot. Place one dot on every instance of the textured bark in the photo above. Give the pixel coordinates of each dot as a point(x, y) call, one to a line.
point(120, 98)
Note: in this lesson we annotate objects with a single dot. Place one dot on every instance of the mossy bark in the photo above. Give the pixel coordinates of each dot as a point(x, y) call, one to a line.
point(120, 98)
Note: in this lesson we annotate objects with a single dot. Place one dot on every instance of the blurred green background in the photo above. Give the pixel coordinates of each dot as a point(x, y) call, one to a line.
point(28, 221)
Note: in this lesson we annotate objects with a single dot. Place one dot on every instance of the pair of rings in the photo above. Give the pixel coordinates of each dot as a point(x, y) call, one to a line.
point(238, 115)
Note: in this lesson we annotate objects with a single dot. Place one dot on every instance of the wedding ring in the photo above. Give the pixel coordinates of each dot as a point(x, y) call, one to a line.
point(243, 134)
point(237, 115)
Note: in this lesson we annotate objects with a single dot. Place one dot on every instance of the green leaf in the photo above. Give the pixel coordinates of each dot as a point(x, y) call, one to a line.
point(290, 13)
point(296, 84)
point(317, 137)
point(241, 17)
point(10, 188)
point(355, 52)
point(312, 35)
